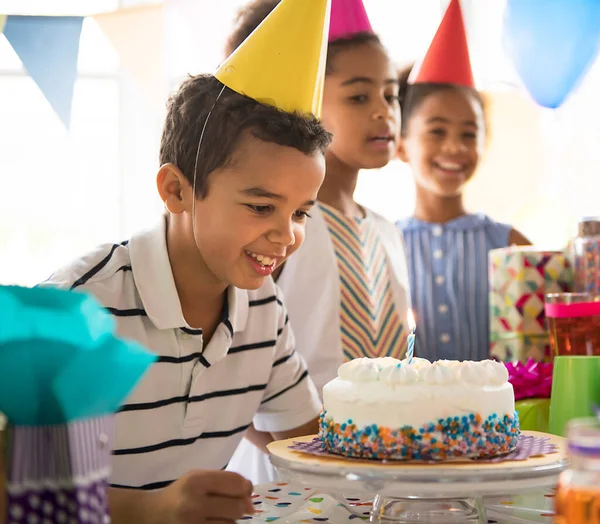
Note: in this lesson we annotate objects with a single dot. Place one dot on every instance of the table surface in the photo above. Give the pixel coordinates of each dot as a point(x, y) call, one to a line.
point(294, 504)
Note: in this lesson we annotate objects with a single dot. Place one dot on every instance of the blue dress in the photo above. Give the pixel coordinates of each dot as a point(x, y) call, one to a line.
point(448, 272)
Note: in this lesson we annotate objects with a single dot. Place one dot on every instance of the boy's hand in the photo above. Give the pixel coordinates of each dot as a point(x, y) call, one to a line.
point(218, 497)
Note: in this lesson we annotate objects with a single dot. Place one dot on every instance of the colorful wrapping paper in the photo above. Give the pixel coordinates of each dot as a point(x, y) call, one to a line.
point(509, 347)
point(63, 374)
point(519, 278)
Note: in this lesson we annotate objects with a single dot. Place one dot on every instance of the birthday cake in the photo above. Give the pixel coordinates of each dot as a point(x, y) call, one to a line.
point(385, 408)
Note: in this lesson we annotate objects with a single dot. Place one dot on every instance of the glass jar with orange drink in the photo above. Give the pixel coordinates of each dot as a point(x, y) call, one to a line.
point(578, 495)
point(573, 323)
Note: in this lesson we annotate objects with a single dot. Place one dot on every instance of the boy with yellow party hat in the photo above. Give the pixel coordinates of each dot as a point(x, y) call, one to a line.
point(242, 156)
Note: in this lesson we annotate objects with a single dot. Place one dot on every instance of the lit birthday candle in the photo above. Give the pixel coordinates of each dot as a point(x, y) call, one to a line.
point(411, 338)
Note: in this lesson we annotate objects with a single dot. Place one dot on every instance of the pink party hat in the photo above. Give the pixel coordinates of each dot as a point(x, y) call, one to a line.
point(348, 17)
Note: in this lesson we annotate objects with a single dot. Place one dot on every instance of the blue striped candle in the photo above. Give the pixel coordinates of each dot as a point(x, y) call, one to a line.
point(411, 338)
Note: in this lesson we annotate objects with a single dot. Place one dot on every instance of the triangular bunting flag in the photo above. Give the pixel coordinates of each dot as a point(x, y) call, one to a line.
point(2, 22)
point(48, 46)
point(137, 34)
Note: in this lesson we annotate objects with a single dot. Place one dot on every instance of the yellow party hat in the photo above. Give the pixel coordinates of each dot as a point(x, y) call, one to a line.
point(282, 63)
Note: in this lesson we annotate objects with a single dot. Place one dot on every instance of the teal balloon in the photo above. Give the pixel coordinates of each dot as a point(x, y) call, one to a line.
point(552, 44)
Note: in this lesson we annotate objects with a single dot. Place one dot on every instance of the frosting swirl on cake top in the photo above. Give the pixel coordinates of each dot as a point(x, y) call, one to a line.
point(394, 372)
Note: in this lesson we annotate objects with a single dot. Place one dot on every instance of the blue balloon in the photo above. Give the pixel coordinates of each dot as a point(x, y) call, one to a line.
point(552, 44)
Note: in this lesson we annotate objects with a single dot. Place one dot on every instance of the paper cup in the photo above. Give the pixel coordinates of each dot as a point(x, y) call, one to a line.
point(575, 389)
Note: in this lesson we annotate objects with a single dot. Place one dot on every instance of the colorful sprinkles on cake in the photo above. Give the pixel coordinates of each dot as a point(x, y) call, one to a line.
point(468, 435)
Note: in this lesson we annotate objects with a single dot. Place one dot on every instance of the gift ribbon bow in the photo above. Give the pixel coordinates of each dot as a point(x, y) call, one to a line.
point(530, 380)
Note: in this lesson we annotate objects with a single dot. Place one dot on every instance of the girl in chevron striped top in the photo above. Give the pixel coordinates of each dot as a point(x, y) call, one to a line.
point(442, 139)
point(346, 288)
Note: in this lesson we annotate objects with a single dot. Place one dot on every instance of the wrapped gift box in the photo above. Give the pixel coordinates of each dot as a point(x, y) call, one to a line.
point(519, 277)
point(509, 347)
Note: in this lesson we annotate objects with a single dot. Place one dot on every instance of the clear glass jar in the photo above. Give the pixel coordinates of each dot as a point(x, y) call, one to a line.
point(585, 254)
point(573, 321)
point(578, 495)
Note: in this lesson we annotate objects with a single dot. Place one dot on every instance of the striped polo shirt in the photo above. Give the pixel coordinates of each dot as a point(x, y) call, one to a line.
point(448, 273)
point(195, 403)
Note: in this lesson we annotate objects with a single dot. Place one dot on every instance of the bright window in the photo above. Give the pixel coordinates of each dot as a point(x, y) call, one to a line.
point(60, 190)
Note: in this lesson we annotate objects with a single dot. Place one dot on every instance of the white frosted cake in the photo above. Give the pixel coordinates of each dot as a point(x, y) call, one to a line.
point(385, 408)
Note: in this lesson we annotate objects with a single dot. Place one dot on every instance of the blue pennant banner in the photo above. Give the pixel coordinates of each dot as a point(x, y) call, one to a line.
point(48, 46)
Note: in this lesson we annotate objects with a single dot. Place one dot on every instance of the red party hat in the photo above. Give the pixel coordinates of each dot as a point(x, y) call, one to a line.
point(447, 59)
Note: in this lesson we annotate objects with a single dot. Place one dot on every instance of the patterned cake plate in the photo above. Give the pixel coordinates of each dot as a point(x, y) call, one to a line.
point(408, 492)
point(421, 479)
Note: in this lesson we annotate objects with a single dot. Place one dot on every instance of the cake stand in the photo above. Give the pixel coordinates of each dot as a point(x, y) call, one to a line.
point(413, 493)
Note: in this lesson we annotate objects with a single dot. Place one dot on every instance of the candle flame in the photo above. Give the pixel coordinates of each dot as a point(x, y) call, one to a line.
point(411, 320)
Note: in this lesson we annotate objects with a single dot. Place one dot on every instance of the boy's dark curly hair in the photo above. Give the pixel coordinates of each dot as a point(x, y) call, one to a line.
point(232, 116)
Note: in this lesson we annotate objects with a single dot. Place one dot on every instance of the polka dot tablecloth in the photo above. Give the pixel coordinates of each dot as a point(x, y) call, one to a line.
point(294, 504)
